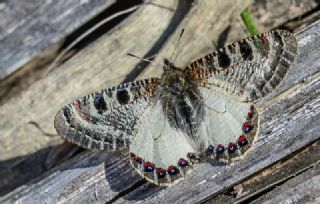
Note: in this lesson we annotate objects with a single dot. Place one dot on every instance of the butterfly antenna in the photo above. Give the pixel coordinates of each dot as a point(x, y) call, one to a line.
point(182, 31)
point(144, 59)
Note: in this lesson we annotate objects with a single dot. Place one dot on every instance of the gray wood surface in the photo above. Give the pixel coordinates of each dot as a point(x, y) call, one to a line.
point(290, 116)
point(290, 119)
point(29, 27)
point(268, 180)
point(304, 188)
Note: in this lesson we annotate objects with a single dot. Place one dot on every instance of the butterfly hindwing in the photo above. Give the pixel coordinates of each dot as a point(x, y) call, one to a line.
point(223, 125)
point(106, 120)
point(157, 148)
point(247, 69)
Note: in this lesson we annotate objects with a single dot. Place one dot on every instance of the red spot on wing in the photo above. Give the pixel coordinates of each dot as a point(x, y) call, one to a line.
point(77, 105)
point(149, 166)
point(250, 115)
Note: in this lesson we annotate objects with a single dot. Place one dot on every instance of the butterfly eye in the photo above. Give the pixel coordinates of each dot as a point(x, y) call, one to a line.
point(166, 62)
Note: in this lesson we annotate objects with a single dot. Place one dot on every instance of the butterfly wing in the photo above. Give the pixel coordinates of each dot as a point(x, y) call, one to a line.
point(248, 69)
point(228, 80)
point(159, 151)
point(229, 126)
point(106, 120)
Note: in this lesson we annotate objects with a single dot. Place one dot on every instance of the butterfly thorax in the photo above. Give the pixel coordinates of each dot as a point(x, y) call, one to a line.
point(173, 80)
point(181, 101)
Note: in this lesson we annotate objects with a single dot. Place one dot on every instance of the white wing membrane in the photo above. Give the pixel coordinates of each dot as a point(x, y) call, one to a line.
point(158, 142)
point(223, 120)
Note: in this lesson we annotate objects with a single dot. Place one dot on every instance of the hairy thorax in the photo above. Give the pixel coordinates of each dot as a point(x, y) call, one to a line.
point(181, 101)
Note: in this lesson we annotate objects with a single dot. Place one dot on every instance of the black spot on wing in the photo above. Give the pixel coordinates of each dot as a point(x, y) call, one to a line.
point(209, 60)
point(123, 97)
point(67, 113)
point(223, 59)
point(85, 100)
point(253, 94)
point(231, 48)
point(99, 102)
point(278, 48)
point(245, 50)
point(278, 38)
point(108, 92)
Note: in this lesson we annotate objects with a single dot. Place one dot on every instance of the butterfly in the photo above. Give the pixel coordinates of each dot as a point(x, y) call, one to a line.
point(202, 112)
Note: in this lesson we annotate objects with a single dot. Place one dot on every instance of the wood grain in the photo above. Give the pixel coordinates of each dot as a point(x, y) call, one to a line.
point(269, 179)
point(304, 188)
point(25, 30)
point(289, 121)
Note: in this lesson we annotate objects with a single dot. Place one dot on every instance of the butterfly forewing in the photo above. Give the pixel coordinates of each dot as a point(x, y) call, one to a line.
point(106, 120)
point(248, 69)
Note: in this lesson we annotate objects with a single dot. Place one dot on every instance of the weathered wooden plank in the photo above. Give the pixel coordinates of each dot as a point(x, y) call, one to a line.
point(304, 188)
point(270, 178)
point(272, 14)
point(29, 27)
point(89, 177)
point(281, 134)
point(127, 37)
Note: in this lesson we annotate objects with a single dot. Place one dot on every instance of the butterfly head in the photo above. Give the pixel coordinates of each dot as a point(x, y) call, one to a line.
point(168, 65)
point(173, 78)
